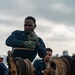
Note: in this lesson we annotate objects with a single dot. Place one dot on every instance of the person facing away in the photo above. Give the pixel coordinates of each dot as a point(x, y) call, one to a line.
point(3, 68)
point(41, 64)
point(27, 39)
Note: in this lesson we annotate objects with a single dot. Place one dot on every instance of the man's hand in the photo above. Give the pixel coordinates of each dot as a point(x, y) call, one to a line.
point(32, 36)
point(30, 44)
point(47, 71)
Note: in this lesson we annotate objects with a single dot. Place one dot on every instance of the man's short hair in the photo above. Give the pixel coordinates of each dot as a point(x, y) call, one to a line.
point(49, 49)
point(31, 18)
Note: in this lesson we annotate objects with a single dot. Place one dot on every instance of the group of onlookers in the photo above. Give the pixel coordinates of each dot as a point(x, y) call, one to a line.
point(28, 39)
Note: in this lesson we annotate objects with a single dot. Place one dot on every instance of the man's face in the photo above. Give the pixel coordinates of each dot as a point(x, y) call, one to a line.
point(1, 59)
point(29, 26)
point(48, 56)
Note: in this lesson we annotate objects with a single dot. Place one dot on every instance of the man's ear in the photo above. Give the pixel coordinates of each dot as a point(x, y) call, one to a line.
point(35, 26)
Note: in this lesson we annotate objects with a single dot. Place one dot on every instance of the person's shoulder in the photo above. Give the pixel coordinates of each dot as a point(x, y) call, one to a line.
point(38, 60)
point(39, 38)
point(17, 31)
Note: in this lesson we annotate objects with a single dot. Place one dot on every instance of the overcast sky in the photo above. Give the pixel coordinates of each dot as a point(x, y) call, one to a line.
point(55, 22)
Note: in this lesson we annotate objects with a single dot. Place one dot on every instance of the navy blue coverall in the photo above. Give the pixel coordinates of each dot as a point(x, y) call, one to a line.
point(39, 65)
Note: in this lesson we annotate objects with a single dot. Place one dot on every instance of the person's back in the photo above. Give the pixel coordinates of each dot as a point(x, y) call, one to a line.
point(39, 65)
point(27, 39)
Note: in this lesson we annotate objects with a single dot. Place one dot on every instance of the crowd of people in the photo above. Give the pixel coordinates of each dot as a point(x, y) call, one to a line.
point(29, 39)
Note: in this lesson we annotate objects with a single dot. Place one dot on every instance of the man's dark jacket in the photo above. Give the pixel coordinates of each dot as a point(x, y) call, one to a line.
point(17, 38)
point(3, 69)
point(39, 65)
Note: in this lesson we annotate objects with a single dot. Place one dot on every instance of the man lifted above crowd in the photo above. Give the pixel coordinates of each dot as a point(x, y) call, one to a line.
point(27, 39)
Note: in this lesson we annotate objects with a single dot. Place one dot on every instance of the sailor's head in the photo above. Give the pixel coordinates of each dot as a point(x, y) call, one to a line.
point(1, 58)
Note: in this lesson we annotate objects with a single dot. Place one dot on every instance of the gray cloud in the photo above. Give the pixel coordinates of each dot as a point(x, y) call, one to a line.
point(50, 14)
point(60, 38)
point(63, 13)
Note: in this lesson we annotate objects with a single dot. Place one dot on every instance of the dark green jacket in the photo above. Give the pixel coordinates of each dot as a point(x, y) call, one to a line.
point(17, 38)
